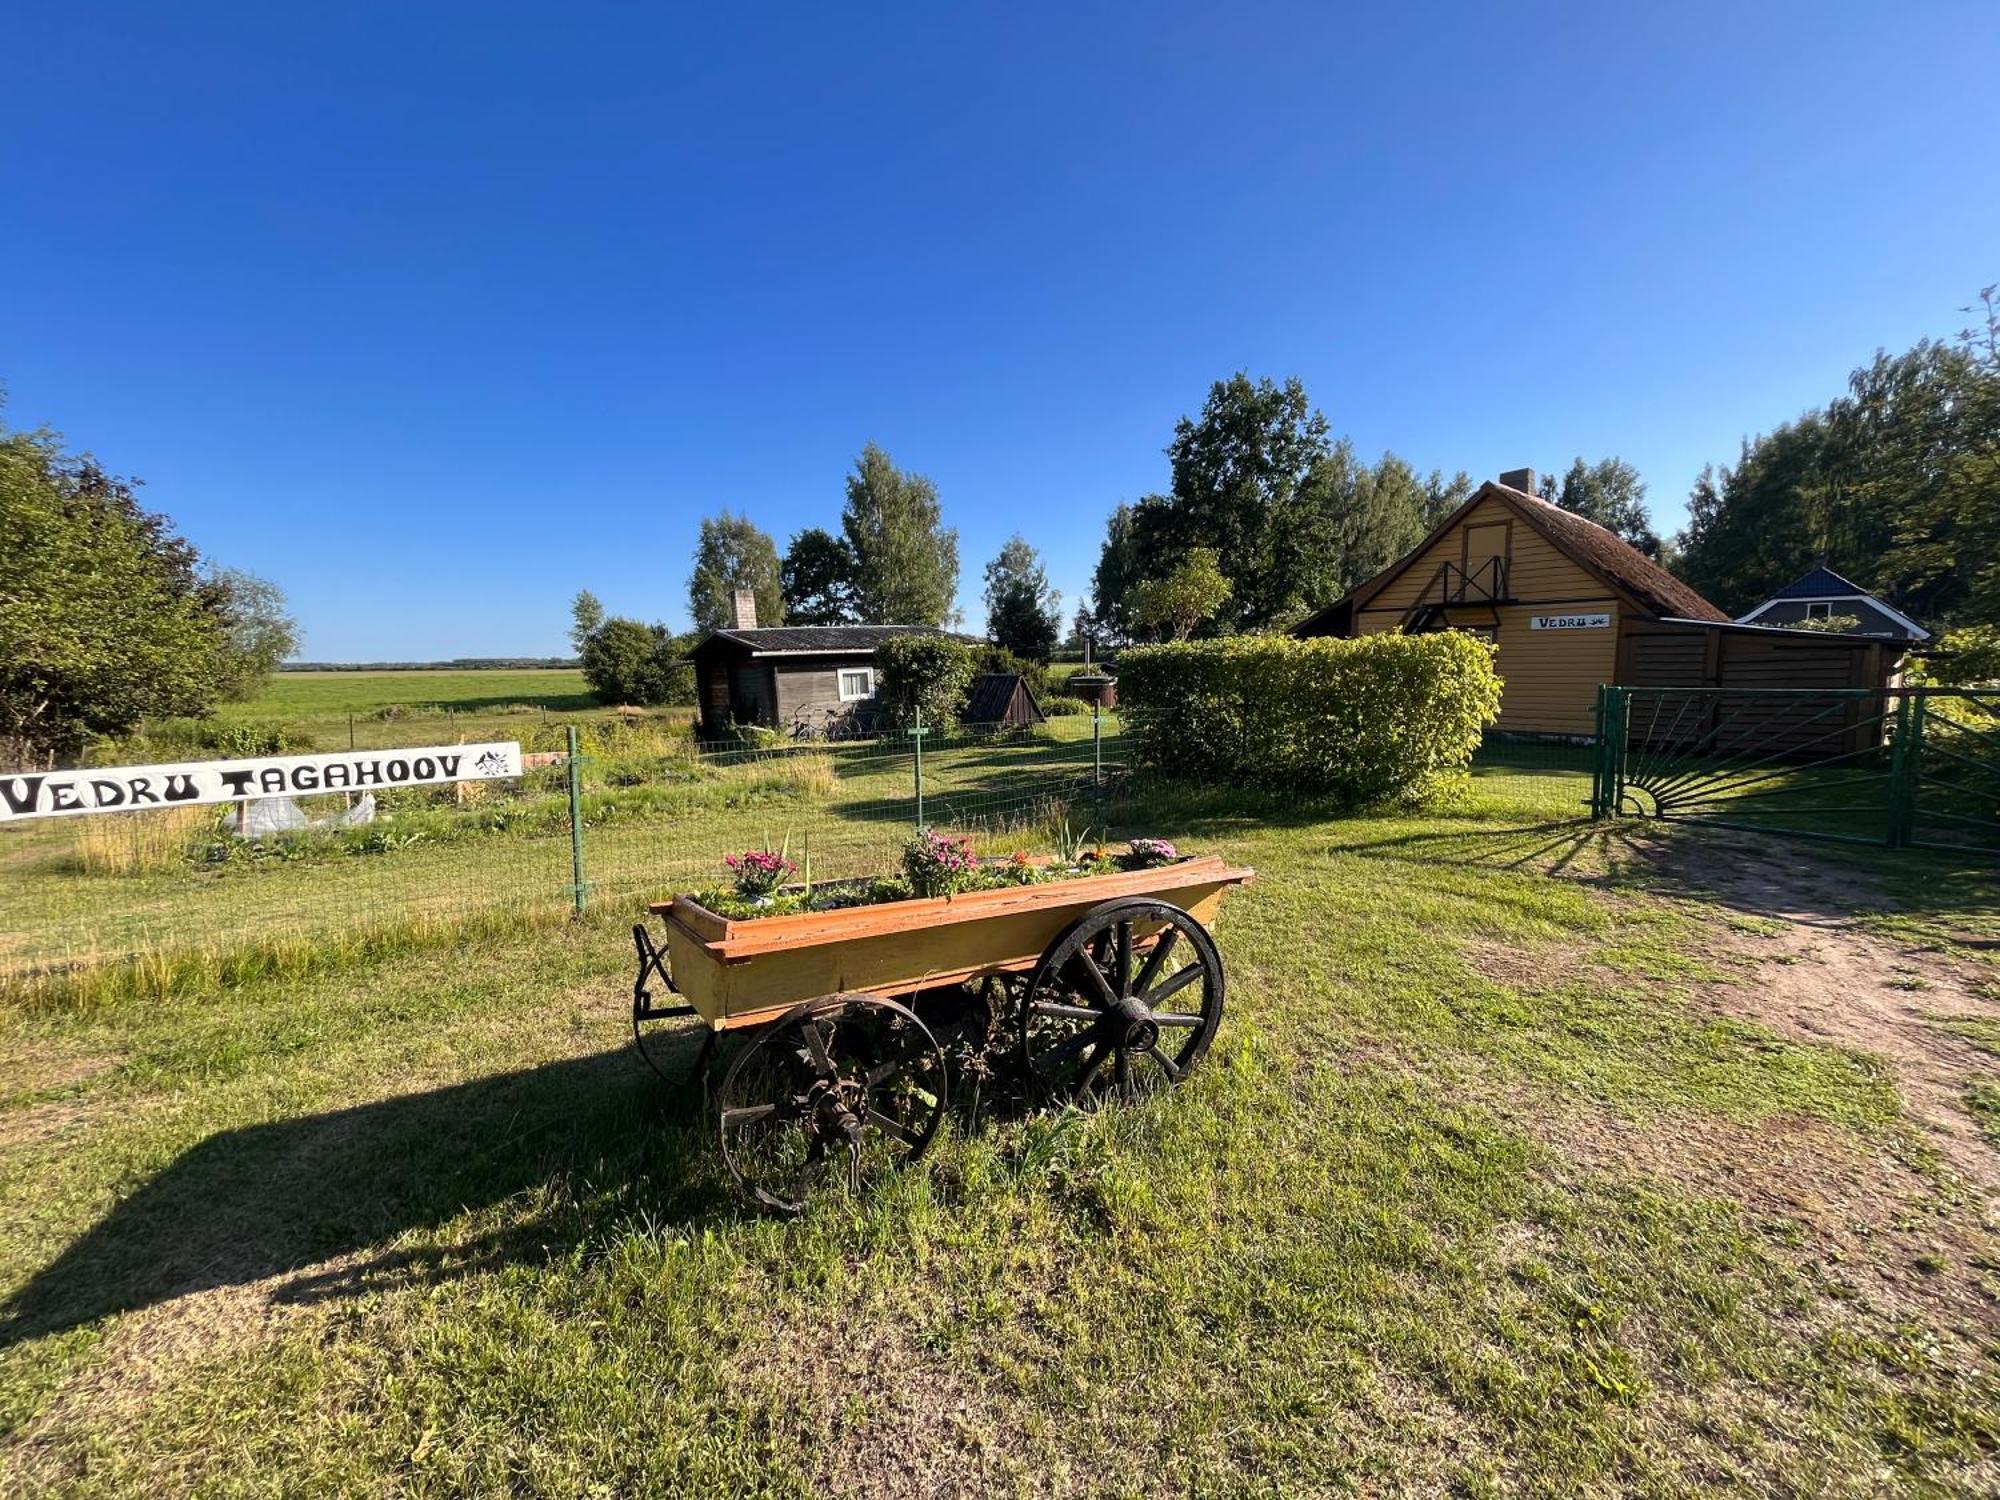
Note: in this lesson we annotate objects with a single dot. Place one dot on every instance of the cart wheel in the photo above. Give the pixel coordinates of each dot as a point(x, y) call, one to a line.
point(846, 1083)
point(1123, 1004)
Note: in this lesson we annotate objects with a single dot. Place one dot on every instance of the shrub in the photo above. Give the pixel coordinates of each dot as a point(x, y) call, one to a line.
point(200, 739)
point(1062, 706)
point(927, 672)
point(1358, 719)
point(627, 662)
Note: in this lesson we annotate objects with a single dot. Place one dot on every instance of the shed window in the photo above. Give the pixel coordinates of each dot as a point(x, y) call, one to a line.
point(1819, 611)
point(856, 682)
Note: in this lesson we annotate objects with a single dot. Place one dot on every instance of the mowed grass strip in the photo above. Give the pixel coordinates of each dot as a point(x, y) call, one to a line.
point(426, 1226)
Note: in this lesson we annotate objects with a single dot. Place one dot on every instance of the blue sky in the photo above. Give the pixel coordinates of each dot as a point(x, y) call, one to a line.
point(436, 313)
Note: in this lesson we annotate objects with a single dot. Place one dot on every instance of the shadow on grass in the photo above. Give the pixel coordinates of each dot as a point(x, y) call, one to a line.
point(1756, 873)
point(321, 1202)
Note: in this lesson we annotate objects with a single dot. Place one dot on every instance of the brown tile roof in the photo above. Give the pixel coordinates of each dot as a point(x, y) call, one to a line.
point(1615, 558)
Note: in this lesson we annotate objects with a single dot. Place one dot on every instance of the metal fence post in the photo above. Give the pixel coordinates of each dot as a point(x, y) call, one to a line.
point(1612, 760)
point(917, 735)
point(1597, 799)
point(576, 820)
point(1097, 744)
point(1903, 769)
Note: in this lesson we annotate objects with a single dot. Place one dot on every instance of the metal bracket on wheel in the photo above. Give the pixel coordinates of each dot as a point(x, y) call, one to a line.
point(652, 961)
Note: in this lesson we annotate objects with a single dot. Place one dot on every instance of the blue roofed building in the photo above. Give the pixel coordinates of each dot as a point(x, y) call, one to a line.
point(1823, 594)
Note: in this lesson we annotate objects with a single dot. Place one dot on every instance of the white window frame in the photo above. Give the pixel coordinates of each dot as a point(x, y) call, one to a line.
point(1819, 609)
point(840, 676)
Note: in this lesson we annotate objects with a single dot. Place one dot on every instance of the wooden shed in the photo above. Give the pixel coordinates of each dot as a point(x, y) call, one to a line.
point(819, 677)
point(1000, 699)
point(1571, 606)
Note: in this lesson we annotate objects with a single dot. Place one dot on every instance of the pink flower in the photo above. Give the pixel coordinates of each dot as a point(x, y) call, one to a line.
point(758, 871)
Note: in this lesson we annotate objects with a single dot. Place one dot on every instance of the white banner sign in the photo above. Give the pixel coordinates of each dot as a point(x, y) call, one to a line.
point(1569, 622)
point(133, 788)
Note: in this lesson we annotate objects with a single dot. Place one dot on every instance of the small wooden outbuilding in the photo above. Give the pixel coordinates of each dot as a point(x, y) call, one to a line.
point(814, 676)
point(1000, 700)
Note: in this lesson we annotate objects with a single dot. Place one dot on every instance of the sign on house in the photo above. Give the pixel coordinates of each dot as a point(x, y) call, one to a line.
point(134, 788)
point(1570, 622)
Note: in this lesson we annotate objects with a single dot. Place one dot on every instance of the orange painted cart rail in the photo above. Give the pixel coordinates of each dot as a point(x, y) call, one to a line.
point(856, 1021)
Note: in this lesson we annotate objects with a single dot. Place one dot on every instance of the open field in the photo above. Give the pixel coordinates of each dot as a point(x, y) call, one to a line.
point(1534, 1157)
point(389, 707)
point(307, 695)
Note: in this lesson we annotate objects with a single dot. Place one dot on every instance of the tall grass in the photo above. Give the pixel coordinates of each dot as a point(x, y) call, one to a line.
point(141, 843)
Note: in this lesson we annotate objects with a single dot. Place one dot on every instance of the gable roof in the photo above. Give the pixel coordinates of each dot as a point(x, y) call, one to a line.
point(813, 640)
point(1609, 558)
point(991, 694)
point(1824, 586)
point(1821, 583)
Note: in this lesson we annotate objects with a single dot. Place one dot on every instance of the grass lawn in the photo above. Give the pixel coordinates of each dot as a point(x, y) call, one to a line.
point(1491, 1185)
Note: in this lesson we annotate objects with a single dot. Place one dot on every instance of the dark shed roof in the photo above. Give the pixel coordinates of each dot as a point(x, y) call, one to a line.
point(1000, 698)
point(814, 640)
point(1821, 583)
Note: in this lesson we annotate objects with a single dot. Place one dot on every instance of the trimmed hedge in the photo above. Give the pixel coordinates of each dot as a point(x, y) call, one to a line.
point(1360, 719)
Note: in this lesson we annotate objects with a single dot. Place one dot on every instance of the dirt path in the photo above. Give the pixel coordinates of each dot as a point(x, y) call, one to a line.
point(1817, 973)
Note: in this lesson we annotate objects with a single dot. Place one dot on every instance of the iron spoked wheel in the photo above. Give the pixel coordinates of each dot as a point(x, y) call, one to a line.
point(848, 1086)
point(1124, 1004)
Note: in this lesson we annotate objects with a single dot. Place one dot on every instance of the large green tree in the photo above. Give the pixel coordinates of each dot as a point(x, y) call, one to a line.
point(1238, 469)
point(586, 613)
point(1295, 518)
point(1119, 567)
point(818, 579)
point(1895, 484)
point(905, 557)
point(1023, 613)
point(733, 554)
point(106, 615)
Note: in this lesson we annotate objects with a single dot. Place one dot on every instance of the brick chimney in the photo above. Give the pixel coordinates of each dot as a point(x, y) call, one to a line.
point(743, 610)
point(1522, 480)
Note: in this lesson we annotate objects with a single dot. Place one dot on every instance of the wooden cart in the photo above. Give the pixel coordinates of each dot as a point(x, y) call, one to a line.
point(856, 1021)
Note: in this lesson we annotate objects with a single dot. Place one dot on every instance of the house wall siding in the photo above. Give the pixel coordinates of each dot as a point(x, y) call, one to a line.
point(1549, 677)
point(814, 688)
point(1538, 573)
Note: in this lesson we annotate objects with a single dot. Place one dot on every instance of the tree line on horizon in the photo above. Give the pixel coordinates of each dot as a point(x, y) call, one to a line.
point(1268, 516)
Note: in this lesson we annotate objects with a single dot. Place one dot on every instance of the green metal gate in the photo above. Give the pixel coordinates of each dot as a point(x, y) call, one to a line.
point(1902, 767)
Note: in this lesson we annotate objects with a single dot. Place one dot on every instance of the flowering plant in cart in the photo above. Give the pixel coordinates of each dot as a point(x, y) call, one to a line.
point(936, 864)
point(758, 871)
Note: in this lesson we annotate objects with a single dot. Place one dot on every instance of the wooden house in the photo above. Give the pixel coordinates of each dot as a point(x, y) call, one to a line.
point(1571, 606)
